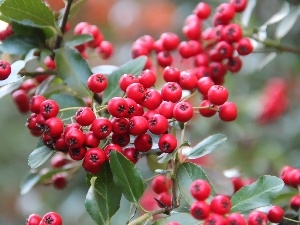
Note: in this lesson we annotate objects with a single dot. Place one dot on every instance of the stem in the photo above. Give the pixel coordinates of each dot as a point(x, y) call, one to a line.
point(70, 108)
point(34, 74)
point(145, 216)
point(295, 221)
point(191, 95)
point(59, 38)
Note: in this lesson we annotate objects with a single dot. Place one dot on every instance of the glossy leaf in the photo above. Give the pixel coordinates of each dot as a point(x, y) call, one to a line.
point(246, 16)
point(39, 156)
point(103, 198)
point(30, 12)
point(73, 69)
point(78, 40)
point(134, 66)
point(258, 194)
point(283, 12)
point(186, 174)
point(18, 45)
point(104, 69)
point(127, 177)
point(206, 146)
point(287, 23)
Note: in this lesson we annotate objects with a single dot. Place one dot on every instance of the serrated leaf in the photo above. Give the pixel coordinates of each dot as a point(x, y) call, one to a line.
point(206, 146)
point(127, 177)
point(258, 194)
point(17, 45)
point(134, 66)
point(283, 12)
point(103, 197)
point(104, 69)
point(246, 16)
point(186, 174)
point(39, 156)
point(287, 23)
point(30, 12)
point(14, 77)
point(182, 218)
point(73, 69)
point(78, 40)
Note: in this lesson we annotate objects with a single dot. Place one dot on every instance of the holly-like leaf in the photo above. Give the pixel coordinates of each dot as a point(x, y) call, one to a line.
point(134, 66)
point(187, 173)
point(103, 198)
point(182, 218)
point(30, 12)
point(13, 77)
point(127, 177)
point(73, 69)
point(206, 146)
point(104, 69)
point(18, 45)
point(78, 40)
point(39, 156)
point(258, 194)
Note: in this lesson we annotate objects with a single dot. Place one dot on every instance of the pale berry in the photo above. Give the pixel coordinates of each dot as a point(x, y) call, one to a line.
point(136, 91)
point(21, 99)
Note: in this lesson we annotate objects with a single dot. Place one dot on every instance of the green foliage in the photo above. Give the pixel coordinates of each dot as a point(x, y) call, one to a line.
point(259, 194)
point(127, 177)
point(39, 156)
point(103, 198)
point(78, 40)
point(18, 45)
point(134, 66)
point(73, 69)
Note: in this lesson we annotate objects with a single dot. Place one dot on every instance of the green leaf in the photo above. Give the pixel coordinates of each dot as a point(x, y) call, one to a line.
point(76, 7)
point(29, 31)
point(134, 66)
point(182, 218)
point(206, 146)
point(187, 173)
point(30, 12)
point(246, 16)
point(78, 40)
point(18, 45)
point(165, 157)
point(103, 198)
point(14, 77)
point(259, 194)
point(73, 69)
point(127, 177)
point(8, 88)
point(104, 69)
point(153, 164)
point(39, 156)
point(282, 13)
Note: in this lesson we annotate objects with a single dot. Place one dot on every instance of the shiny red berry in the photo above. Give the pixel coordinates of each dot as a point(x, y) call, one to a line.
point(5, 70)
point(34, 219)
point(200, 210)
point(51, 218)
point(143, 143)
point(75, 138)
point(200, 189)
point(164, 200)
point(147, 78)
point(53, 127)
point(228, 111)
point(111, 147)
point(275, 214)
point(236, 219)
point(217, 95)
point(97, 83)
point(220, 204)
point(161, 184)
point(257, 218)
point(101, 127)
point(49, 108)
point(93, 160)
point(84, 116)
point(35, 102)
point(132, 154)
point(117, 107)
point(138, 125)
point(21, 99)
point(183, 111)
point(171, 74)
point(202, 10)
point(50, 63)
point(167, 143)
point(171, 91)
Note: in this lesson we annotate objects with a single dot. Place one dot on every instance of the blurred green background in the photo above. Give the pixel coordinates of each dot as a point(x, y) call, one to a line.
point(252, 148)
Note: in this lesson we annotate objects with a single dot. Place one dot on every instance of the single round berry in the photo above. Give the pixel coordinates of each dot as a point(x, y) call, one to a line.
point(97, 83)
point(204, 84)
point(295, 202)
point(200, 189)
point(49, 108)
point(161, 184)
point(164, 199)
point(93, 160)
point(232, 33)
point(170, 41)
point(101, 127)
point(207, 109)
point(147, 78)
point(34, 219)
point(217, 95)
point(127, 79)
point(188, 81)
point(59, 180)
point(167, 143)
point(257, 218)
point(105, 49)
point(225, 12)
point(131, 154)
point(171, 74)
point(117, 107)
point(275, 214)
point(239, 5)
point(284, 174)
point(202, 10)
point(120, 139)
point(183, 112)
point(166, 109)
point(220, 204)
point(35, 102)
point(91, 141)
point(244, 46)
point(120, 125)
point(173, 223)
point(21, 99)
point(111, 147)
point(164, 59)
point(214, 219)
point(50, 63)
point(136, 91)
point(152, 99)
point(5, 70)
point(84, 116)
point(234, 64)
point(200, 210)
point(228, 112)
point(74, 138)
point(143, 143)
point(236, 219)
point(54, 127)
point(158, 124)
point(138, 125)
point(51, 218)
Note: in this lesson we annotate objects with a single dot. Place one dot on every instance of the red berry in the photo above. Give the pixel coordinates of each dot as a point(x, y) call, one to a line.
point(34, 219)
point(138, 125)
point(232, 33)
point(171, 91)
point(77, 153)
point(105, 49)
point(173, 223)
point(79, 27)
point(204, 84)
point(143, 143)
point(164, 200)
point(224, 49)
point(209, 109)
point(166, 109)
point(101, 127)
point(164, 59)
point(161, 184)
point(152, 99)
point(136, 91)
point(202, 10)
point(5, 70)
point(59, 160)
point(188, 81)
point(28, 85)
point(75, 138)
point(220, 204)
point(117, 107)
point(234, 64)
point(214, 219)
point(93, 160)
point(295, 202)
point(111, 147)
point(121, 139)
point(91, 141)
point(51, 218)
point(35, 102)
point(170, 41)
point(84, 116)
point(192, 31)
point(228, 112)
point(53, 127)
point(60, 144)
point(21, 99)
point(97, 83)
point(131, 154)
point(275, 214)
point(225, 12)
point(183, 112)
point(158, 124)
point(49, 108)
point(171, 74)
point(59, 180)
point(257, 218)
point(239, 5)
point(127, 79)
point(50, 63)
point(120, 125)
point(200, 210)
point(284, 174)
point(294, 178)
point(236, 219)
point(200, 189)
point(147, 78)
point(217, 95)
point(244, 46)
point(167, 143)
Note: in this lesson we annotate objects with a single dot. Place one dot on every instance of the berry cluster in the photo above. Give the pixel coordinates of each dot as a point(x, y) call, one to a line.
point(50, 218)
point(218, 210)
point(161, 185)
